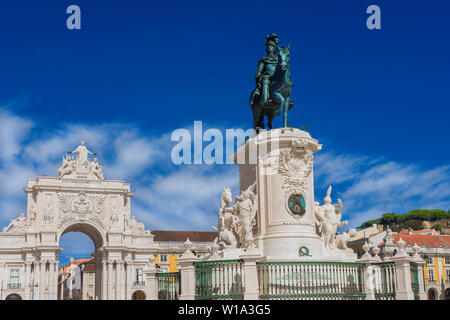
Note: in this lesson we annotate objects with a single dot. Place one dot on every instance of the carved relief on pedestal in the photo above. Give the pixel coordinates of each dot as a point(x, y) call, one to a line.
point(295, 167)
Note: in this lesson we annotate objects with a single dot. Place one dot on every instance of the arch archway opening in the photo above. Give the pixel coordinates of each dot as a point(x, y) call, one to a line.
point(13, 296)
point(431, 294)
point(79, 275)
point(138, 295)
point(447, 294)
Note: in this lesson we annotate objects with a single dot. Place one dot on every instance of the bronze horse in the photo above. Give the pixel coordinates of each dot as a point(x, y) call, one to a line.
point(279, 94)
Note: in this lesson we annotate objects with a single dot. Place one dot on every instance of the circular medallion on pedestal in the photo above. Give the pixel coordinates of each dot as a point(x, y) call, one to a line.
point(296, 204)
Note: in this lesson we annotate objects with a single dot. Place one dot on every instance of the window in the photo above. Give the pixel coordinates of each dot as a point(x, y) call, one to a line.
point(91, 287)
point(163, 258)
point(14, 278)
point(447, 274)
point(431, 275)
point(139, 276)
point(447, 260)
point(429, 260)
point(91, 276)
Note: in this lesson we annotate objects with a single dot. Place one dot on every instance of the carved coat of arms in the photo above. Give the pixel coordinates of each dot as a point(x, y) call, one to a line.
point(81, 203)
point(295, 167)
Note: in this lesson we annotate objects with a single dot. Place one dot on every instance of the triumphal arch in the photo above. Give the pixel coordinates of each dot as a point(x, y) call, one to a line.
point(80, 199)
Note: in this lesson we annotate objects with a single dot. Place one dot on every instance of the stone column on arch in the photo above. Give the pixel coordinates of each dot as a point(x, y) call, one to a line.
point(42, 283)
point(110, 280)
point(40, 289)
point(129, 281)
point(27, 280)
point(123, 282)
point(36, 283)
point(104, 295)
point(53, 283)
point(118, 292)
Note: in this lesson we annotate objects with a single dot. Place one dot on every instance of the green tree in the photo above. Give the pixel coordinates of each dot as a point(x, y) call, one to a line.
point(437, 227)
point(389, 218)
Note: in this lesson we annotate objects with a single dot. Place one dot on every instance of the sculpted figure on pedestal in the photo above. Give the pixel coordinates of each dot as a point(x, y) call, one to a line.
point(236, 223)
point(18, 224)
point(328, 220)
point(245, 208)
point(227, 219)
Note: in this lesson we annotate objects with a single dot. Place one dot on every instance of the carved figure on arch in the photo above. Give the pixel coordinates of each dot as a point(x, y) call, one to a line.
point(17, 225)
point(48, 217)
point(83, 152)
point(137, 227)
point(96, 169)
point(31, 216)
point(67, 167)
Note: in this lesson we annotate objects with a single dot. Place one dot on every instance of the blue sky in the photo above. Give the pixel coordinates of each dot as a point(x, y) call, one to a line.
point(377, 100)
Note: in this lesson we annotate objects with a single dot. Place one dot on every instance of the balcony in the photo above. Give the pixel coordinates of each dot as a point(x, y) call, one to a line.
point(139, 284)
point(13, 285)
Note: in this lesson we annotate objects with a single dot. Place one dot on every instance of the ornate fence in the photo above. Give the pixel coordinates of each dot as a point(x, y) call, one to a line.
point(311, 280)
point(384, 281)
point(168, 285)
point(223, 279)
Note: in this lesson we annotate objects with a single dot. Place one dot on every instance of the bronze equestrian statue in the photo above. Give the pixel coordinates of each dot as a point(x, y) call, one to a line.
point(273, 85)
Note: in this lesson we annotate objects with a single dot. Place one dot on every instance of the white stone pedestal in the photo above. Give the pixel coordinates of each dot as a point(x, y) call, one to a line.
point(281, 162)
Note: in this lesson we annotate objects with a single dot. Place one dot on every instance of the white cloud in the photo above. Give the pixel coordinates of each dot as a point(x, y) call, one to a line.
point(13, 130)
point(371, 187)
point(187, 197)
point(166, 196)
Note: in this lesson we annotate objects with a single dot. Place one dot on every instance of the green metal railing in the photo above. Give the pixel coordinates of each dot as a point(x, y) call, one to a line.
point(168, 285)
point(384, 281)
point(311, 280)
point(222, 279)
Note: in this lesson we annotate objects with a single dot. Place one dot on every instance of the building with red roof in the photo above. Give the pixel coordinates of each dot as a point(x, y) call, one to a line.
point(435, 249)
